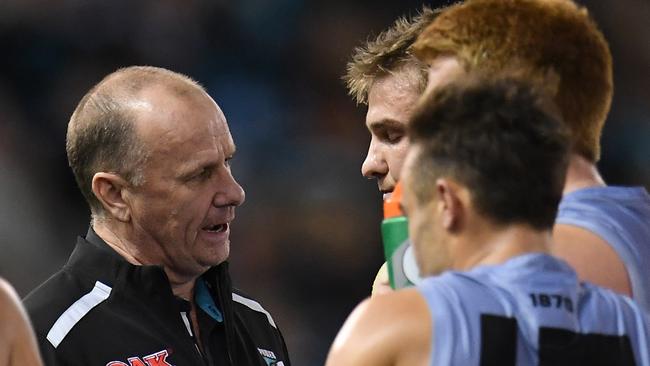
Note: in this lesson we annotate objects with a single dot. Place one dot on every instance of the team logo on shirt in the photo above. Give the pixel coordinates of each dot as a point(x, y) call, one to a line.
point(154, 359)
point(270, 358)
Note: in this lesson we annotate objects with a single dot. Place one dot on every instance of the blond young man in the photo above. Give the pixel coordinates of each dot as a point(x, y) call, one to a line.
point(384, 75)
point(389, 79)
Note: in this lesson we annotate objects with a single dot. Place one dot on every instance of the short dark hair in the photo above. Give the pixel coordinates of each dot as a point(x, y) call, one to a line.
point(101, 133)
point(389, 52)
point(502, 138)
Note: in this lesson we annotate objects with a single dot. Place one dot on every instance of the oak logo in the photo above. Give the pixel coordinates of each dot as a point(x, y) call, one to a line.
point(155, 359)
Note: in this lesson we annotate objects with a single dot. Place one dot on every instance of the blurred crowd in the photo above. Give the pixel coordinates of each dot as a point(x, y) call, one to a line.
point(306, 242)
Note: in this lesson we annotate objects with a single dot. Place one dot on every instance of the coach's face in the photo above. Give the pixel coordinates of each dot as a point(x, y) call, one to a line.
point(183, 210)
point(390, 103)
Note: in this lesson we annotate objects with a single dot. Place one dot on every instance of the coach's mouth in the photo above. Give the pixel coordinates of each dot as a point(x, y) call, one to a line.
point(218, 228)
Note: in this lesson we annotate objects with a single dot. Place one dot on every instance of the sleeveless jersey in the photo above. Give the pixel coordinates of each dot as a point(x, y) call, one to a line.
point(531, 310)
point(621, 217)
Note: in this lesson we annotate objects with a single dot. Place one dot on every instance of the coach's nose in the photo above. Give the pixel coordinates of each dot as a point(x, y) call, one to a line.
point(230, 192)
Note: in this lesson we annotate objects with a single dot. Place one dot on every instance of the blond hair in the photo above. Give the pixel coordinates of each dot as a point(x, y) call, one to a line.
point(389, 52)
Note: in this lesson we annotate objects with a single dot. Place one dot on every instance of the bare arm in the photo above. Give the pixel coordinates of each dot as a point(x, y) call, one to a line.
point(381, 285)
point(17, 342)
point(593, 259)
point(389, 330)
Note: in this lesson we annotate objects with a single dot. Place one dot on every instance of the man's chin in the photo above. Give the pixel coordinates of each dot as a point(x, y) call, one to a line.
point(217, 255)
point(207, 257)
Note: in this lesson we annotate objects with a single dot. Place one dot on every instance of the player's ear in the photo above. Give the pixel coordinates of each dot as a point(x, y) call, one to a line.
point(450, 205)
point(111, 189)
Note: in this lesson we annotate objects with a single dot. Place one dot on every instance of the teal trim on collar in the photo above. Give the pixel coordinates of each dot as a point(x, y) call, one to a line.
point(205, 301)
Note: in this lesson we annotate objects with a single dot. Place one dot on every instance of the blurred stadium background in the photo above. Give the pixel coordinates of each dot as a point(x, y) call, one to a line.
point(306, 242)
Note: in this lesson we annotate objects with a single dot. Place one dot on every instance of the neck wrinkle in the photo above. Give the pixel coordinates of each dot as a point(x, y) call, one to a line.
point(124, 248)
point(182, 285)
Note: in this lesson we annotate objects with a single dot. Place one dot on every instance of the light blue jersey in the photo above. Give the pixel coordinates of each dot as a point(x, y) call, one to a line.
point(532, 310)
point(621, 217)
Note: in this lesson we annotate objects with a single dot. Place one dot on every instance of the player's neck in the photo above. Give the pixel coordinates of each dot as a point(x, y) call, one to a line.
point(581, 173)
point(498, 246)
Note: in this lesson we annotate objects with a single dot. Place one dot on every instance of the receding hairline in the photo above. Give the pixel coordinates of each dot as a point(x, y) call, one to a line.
point(131, 80)
point(121, 90)
point(102, 133)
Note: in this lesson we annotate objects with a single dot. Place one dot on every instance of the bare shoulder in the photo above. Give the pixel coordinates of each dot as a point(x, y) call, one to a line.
point(9, 301)
point(9, 320)
point(16, 337)
point(591, 256)
point(388, 329)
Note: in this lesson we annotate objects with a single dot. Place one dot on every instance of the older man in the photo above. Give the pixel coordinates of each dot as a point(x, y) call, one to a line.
point(149, 285)
point(478, 213)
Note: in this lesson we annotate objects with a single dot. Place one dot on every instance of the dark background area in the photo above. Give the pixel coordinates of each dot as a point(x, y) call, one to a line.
point(306, 242)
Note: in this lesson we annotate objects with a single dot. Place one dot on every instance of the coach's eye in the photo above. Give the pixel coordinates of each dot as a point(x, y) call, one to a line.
point(205, 173)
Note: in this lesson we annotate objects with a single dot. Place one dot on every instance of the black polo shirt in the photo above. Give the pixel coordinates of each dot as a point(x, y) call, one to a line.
point(101, 310)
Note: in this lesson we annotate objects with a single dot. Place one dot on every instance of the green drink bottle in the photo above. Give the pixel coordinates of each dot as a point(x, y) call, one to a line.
point(402, 267)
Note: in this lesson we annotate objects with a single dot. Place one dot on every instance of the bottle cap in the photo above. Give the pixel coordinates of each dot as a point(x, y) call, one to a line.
point(391, 203)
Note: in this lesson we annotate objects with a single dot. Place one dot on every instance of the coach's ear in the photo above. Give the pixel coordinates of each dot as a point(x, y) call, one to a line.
point(450, 203)
point(110, 190)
